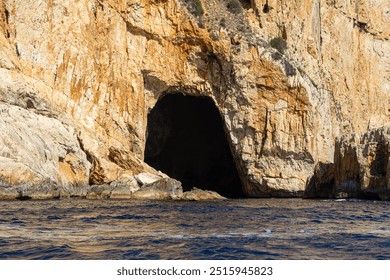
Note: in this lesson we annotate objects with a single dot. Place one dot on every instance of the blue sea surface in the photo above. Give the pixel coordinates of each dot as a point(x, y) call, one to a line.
point(230, 229)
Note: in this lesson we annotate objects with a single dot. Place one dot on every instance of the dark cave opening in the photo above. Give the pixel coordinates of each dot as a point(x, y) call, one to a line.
point(186, 140)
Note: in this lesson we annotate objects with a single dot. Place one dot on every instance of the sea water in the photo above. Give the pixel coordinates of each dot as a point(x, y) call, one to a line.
point(229, 229)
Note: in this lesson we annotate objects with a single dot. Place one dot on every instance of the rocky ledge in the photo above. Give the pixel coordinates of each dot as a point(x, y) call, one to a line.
point(144, 186)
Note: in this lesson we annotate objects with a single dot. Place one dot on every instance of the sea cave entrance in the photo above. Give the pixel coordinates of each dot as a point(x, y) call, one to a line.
point(186, 140)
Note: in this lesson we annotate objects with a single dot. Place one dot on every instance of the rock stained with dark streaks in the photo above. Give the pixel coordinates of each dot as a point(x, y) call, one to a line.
point(78, 79)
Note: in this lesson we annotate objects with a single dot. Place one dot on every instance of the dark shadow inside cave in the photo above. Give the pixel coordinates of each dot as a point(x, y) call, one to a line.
point(186, 140)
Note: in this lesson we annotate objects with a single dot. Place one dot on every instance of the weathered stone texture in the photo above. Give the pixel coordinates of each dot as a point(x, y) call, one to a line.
point(198, 194)
point(79, 78)
point(343, 46)
point(38, 151)
point(360, 170)
point(165, 188)
point(361, 165)
point(321, 185)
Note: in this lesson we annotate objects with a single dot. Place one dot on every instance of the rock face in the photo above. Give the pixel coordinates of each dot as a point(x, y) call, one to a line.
point(361, 168)
point(361, 164)
point(77, 80)
point(40, 156)
point(321, 185)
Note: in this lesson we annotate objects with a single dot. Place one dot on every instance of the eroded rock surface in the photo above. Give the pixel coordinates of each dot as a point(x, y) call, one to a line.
point(147, 186)
point(40, 157)
point(77, 80)
point(165, 188)
point(361, 164)
point(360, 170)
point(198, 194)
point(321, 185)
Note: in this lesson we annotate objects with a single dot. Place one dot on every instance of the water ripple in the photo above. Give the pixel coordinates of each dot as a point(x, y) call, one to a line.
point(232, 229)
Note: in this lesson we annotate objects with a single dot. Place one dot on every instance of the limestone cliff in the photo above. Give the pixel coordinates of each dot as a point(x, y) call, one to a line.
point(78, 78)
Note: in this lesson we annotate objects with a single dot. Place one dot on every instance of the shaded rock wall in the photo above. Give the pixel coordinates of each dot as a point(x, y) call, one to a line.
point(361, 165)
point(361, 168)
point(96, 68)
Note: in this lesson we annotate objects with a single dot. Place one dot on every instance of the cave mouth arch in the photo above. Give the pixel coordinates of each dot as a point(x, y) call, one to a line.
point(186, 140)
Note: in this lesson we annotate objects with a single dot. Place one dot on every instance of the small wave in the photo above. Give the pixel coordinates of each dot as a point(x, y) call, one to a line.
point(186, 230)
point(135, 217)
point(384, 228)
point(178, 236)
point(308, 231)
point(53, 218)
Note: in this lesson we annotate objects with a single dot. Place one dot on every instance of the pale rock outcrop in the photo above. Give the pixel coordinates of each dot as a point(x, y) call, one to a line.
point(147, 178)
point(198, 194)
point(122, 188)
point(39, 156)
point(165, 188)
point(148, 186)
